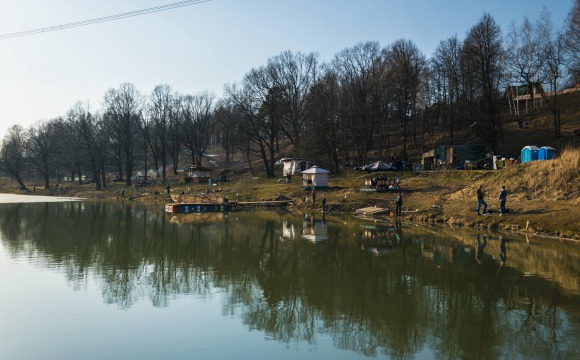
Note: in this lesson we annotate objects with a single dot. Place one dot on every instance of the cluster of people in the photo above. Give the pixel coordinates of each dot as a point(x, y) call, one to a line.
point(482, 205)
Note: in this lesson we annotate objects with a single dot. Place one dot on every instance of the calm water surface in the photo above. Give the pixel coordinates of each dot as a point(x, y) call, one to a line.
point(113, 280)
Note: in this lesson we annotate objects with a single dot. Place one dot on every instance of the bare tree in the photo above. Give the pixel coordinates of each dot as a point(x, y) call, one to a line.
point(157, 132)
point(324, 125)
point(573, 40)
point(13, 155)
point(227, 121)
point(41, 148)
point(554, 54)
point(259, 103)
point(361, 71)
point(123, 110)
point(294, 75)
point(72, 147)
point(84, 125)
point(173, 140)
point(483, 50)
point(407, 64)
point(196, 124)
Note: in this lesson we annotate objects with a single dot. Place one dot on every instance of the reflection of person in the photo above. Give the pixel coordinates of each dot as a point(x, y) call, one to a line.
point(399, 204)
point(398, 232)
point(481, 201)
point(480, 248)
point(502, 200)
point(502, 251)
point(313, 197)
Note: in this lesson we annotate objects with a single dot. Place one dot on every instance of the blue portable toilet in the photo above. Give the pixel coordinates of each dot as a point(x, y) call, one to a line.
point(529, 153)
point(546, 153)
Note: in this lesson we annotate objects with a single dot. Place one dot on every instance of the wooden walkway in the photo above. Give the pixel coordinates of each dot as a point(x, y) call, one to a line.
point(371, 211)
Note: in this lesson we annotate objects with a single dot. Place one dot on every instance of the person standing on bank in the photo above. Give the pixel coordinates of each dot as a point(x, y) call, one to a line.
point(399, 205)
point(502, 200)
point(481, 201)
point(323, 203)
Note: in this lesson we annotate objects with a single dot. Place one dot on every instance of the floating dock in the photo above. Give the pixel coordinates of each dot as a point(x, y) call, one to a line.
point(197, 208)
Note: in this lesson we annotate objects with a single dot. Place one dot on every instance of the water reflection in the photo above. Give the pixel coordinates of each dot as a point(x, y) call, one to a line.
point(314, 230)
point(374, 289)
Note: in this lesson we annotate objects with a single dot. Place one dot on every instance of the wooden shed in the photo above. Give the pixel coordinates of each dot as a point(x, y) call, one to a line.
point(196, 173)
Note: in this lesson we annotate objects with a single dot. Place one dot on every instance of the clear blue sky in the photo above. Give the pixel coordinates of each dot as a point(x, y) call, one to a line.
point(204, 46)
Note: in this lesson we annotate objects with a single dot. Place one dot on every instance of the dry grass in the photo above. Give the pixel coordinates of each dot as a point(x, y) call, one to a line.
point(552, 180)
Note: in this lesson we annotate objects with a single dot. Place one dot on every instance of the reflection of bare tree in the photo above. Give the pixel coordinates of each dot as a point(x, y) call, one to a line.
point(412, 296)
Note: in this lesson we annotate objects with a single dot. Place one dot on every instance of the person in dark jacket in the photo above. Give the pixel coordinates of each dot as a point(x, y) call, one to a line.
point(480, 201)
point(502, 200)
point(399, 205)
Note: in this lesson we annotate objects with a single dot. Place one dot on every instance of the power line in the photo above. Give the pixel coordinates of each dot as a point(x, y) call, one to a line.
point(104, 19)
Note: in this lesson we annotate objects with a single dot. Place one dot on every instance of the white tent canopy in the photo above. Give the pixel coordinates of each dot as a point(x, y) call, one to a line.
point(315, 177)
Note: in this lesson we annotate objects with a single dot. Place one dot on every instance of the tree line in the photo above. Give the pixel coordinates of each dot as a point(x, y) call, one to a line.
point(366, 99)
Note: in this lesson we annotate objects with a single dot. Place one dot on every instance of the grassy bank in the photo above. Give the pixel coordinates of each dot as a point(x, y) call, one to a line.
point(544, 196)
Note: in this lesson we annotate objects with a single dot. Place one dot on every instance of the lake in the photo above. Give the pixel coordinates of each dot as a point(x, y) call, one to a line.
point(123, 280)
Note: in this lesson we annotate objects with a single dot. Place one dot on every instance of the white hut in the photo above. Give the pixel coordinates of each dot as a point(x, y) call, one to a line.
point(315, 177)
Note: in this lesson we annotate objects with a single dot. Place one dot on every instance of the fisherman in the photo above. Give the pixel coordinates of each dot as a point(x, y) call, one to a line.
point(502, 200)
point(480, 201)
point(323, 203)
point(399, 204)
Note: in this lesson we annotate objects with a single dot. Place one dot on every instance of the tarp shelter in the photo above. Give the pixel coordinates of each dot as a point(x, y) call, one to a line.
point(455, 155)
point(529, 153)
point(294, 166)
point(546, 153)
point(315, 177)
point(379, 166)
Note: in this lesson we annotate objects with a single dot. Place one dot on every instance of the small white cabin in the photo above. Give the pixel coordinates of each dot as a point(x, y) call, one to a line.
point(315, 177)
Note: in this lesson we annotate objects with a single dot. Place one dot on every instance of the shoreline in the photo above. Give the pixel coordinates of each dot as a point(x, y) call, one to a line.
point(6, 198)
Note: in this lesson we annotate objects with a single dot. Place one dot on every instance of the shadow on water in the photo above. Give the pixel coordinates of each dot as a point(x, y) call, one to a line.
point(388, 289)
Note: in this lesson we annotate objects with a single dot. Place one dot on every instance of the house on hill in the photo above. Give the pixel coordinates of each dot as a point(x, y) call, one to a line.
point(516, 93)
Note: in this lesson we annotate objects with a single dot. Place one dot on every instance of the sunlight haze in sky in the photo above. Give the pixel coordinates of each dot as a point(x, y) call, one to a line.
point(207, 45)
